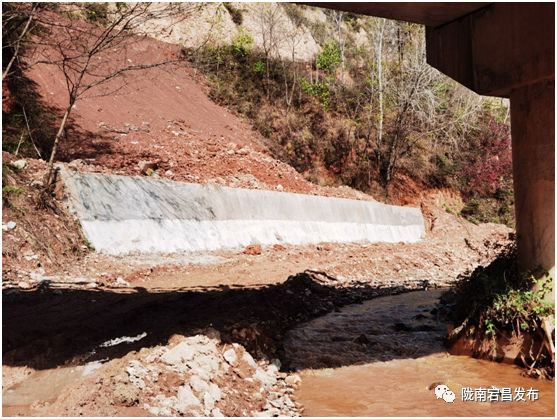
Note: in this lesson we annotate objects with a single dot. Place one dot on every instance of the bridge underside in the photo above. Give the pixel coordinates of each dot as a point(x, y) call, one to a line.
point(505, 50)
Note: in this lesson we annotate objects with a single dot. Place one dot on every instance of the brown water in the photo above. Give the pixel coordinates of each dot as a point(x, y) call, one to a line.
point(43, 385)
point(388, 372)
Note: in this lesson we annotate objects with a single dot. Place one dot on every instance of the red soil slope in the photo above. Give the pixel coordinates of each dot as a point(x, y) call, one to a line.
point(164, 115)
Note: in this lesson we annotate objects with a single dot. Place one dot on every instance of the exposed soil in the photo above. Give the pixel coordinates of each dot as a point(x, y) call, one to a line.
point(60, 321)
point(164, 115)
point(62, 301)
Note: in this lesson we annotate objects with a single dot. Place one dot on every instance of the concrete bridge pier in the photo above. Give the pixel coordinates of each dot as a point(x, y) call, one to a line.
point(533, 142)
point(508, 50)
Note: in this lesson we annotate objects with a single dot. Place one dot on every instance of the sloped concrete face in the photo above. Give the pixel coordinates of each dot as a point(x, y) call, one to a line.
point(122, 215)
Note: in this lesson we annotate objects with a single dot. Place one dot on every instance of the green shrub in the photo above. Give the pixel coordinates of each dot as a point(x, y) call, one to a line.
point(318, 90)
point(259, 67)
point(242, 43)
point(235, 14)
point(7, 190)
point(96, 12)
point(500, 297)
point(330, 57)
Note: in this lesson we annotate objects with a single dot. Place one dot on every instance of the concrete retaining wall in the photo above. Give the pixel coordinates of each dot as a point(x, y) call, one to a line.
point(122, 215)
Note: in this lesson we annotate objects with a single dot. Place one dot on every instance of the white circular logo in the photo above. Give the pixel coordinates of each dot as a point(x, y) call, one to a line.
point(440, 389)
point(449, 396)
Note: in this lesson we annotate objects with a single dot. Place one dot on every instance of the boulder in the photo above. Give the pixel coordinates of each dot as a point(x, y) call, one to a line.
point(20, 164)
point(147, 167)
point(253, 249)
point(217, 413)
point(231, 357)
point(215, 392)
point(249, 359)
point(179, 354)
point(293, 381)
point(198, 385)
point(208, 401)
point(186, 399)
point(265, 378)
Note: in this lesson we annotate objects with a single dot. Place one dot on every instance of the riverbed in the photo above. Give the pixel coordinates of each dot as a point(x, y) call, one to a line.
point(386, 357)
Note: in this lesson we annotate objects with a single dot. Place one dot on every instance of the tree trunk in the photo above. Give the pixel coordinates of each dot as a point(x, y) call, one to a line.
point(316, 72)
point(68, 156)
point(341, 47)
point(49, 176)
point(393, 39)
point(18, 43)
point(380, 76)
point(29, 131)
point(268, 77)
point(368, 164)
point(288, 100)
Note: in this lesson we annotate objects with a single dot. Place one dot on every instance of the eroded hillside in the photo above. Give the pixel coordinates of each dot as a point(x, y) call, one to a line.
point(189, 333)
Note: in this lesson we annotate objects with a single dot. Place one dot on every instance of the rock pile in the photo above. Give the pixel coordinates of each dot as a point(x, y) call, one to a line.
point(200, 376)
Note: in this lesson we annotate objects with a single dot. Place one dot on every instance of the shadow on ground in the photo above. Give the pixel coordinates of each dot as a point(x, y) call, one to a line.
point(44, 329)
point(30, 123)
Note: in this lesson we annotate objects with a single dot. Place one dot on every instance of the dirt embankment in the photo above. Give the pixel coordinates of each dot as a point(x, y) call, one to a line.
point(205, 304)
point(164, 115)
point(47, 244)
point(63, 307)
point(63, 302)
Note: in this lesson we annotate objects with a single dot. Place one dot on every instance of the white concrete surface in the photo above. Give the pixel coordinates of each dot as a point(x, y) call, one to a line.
point(122, 215)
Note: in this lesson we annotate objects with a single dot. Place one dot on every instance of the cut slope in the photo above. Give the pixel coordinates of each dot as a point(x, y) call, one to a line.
point(165, 116)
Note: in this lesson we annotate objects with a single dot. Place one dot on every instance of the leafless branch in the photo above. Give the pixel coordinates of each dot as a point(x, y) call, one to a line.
point(17, 43)
point(89, 57)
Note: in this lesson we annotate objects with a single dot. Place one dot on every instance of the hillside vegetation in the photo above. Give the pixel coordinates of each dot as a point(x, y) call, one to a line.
point(367, 111)
point(263, 96)
point(344, 99)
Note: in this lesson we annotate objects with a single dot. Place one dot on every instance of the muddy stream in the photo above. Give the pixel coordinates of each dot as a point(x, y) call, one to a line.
point(381, 358)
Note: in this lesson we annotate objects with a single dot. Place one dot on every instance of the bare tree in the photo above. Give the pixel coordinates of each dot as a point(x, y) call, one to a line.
point(92, 58)
point(320, 34)
point(337, 19)
point(270, 24)
point(381, 23)
point(421, 110)
point(13, 15)
point(213, 36)
point(293, 33)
